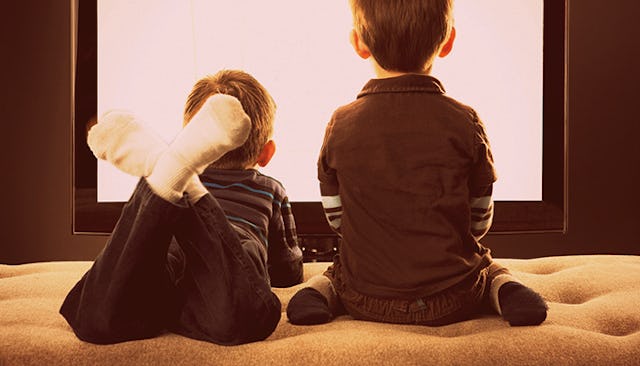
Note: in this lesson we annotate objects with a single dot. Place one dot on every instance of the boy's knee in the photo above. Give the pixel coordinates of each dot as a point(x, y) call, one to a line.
point(99, 333)
point(262, 323)
point(253, 321)
point(95, 324)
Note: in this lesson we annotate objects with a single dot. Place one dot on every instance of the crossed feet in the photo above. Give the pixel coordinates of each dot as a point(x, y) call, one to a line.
point(220, 125)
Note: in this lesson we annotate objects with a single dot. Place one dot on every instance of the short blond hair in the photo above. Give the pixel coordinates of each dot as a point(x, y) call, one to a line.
point(257, 103)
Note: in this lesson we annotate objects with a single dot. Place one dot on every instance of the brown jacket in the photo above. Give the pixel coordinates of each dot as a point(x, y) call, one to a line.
point(404, 159)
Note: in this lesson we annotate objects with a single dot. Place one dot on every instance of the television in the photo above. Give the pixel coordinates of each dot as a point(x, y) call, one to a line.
point(508, 63)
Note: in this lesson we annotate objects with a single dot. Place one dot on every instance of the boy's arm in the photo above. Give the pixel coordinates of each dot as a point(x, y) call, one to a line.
point(481, 212)
point(332, 206)
point(284, 253)
point(329, 188)
point(481, 181)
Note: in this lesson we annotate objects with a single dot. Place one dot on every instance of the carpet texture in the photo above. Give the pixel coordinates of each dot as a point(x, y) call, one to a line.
point(594, 319)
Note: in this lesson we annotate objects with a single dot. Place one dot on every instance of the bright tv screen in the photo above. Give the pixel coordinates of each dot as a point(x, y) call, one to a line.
point(148, 54)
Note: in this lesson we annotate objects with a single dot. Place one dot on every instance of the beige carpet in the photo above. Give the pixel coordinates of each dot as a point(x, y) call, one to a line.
point(594, 319)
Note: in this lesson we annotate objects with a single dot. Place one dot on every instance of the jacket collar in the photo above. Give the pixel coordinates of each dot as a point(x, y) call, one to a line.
point(403, 84)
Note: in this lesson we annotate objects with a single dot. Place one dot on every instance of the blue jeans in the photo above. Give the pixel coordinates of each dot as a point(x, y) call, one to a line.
point(212, 291)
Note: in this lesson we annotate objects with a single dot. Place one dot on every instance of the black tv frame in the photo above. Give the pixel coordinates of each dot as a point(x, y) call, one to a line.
point(547, 215)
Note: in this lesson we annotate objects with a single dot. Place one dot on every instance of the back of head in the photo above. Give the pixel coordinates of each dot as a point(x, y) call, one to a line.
point(403, 35)
point(257, 103)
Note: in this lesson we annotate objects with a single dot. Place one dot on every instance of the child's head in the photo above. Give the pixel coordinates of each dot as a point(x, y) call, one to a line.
point(403, 35)
point(257, 103)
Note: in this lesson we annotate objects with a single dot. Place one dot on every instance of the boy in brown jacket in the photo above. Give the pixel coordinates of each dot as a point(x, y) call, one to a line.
point(406, 176)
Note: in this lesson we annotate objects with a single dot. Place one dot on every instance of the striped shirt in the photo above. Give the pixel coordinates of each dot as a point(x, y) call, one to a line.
point(258, 207)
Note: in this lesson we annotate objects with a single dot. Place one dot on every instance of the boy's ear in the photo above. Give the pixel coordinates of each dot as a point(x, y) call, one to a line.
point(267, 153)
point(361, 49)
point(448, 45)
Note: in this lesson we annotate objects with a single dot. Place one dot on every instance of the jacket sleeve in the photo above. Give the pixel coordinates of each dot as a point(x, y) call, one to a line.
point(481, 204)
point(483, 172)
point(481, 180)
point(329, 187)
point(284, 254)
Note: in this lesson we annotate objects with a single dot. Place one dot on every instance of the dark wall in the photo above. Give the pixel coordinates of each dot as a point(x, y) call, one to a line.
point(604, 136)
point(36, 139)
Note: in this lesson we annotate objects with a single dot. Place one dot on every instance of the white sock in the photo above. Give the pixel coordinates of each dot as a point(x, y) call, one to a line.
point(125, 142)
point(195, 189)
point(219, 127)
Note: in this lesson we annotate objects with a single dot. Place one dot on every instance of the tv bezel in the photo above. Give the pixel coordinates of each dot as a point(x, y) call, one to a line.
point(546, 215)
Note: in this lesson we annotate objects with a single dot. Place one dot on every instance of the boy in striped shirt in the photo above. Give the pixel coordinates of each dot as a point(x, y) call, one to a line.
point(406, 176)
point(193, 255)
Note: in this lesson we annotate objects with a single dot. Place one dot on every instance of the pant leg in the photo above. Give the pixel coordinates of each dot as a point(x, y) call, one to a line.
point(226, 299)
point(127, 293)
point(498, 275)
point(457, 303)
point(324, 286)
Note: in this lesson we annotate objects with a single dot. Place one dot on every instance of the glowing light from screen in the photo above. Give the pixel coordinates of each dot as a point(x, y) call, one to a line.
point(151, 52)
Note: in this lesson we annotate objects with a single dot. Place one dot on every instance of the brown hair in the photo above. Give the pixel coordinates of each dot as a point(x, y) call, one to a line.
point(257, 103)
point(403, 35)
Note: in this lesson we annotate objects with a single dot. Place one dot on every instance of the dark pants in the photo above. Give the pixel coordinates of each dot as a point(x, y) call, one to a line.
point(132, 291)
point(460, 302)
